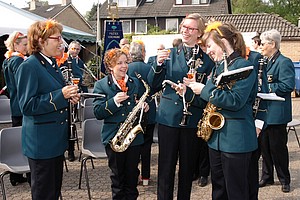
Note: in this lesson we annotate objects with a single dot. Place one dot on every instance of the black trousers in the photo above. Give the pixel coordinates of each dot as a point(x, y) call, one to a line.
point(146, 151)
point(229, 175)
point(253, 176)
point(174, 143)
point(125, 172)
point(202, 162)
point(274, 152)
point(46, 178)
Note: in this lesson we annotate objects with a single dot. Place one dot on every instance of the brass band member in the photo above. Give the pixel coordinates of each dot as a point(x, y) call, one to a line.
point(281, 80)
point(231, 147)
point(121, 92)
point(43, 99)
point(16, 45)
point(176, 141)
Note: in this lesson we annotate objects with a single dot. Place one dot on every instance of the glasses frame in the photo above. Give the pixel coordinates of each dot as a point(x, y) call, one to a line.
point(58, 38)
point(189, 29)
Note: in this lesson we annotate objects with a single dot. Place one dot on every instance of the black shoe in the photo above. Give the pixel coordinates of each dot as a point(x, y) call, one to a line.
point(285, 188)
point(263, 183)
point(202, 182)
point(195, 177)
point(15, 179)
point(71, 156)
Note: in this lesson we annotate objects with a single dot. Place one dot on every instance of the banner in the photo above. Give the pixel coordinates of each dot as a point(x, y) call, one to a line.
point(113, 35)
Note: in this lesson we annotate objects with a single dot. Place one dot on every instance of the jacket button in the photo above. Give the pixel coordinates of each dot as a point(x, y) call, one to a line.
point(176, 103)
point(129, 103)
point(123, 114)
point(61, 112)
point(61, 123)
point(66, 120)
point(66, 109)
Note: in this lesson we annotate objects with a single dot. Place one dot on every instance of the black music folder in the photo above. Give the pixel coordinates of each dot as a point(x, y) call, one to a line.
point(233, 75)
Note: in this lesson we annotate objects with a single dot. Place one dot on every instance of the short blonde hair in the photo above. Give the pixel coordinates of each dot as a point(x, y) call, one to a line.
point(14, 38)
point(271, 35)
point(41, 30)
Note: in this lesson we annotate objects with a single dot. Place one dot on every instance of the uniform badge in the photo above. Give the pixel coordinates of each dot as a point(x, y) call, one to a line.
point(270, 78)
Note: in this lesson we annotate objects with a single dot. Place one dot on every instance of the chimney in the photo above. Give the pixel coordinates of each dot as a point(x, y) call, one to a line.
point(32, 5)
point(66, 2)
point(299, 22)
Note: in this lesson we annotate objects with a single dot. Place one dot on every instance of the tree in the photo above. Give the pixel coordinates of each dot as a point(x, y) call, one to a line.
point(288, 9)
point(92, 14)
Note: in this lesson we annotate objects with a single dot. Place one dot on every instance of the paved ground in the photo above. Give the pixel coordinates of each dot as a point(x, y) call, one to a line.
point(100, 181)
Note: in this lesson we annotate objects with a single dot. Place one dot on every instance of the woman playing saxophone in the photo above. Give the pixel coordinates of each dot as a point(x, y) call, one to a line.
point(121, 92)
point(231, 146)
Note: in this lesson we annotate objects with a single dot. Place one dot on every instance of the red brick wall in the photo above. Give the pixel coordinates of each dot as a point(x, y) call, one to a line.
point(291, 49)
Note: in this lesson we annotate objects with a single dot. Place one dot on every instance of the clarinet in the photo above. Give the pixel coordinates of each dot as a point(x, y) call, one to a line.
point(259, 78)
point(71, 118)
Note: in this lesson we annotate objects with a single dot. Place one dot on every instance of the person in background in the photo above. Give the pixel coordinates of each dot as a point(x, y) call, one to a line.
point(44, 99)
point(77, 64)
point(273, 140)
point(231, 145)
point(176, 42)
point(16, 45)
point(256, 43)
point(137, 52)
point(124, 42)
point(121, 93)
point(179, 141)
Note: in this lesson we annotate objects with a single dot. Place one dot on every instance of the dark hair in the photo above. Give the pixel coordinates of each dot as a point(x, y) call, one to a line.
point(256, 39)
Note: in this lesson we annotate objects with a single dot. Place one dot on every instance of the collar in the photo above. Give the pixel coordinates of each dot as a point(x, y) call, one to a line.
point(274, 56)
point(115, 80)
point(49, 60)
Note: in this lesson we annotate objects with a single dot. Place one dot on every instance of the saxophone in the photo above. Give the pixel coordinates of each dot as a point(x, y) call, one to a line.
point(128, 130)
point(211, 120)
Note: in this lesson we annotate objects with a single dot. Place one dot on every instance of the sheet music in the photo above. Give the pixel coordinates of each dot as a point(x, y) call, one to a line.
point(233, 75)
point(270, 96)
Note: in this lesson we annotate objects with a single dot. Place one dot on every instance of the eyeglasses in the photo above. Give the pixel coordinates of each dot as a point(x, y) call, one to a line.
point(190, 30)
point(58, 38)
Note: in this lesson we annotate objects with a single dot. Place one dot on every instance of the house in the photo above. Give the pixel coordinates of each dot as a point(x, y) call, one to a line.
point(64, 13)
point(165, 14)
point(260, 22)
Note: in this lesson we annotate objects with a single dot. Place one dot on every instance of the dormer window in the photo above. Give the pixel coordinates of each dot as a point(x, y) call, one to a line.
point(178, 2)
point(194, 2)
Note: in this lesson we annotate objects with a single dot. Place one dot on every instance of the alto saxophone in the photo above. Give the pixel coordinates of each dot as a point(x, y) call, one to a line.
point(211, 120)
point(128, 130)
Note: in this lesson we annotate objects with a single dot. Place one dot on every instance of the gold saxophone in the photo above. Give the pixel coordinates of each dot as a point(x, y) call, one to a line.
point(211, 120)
point(127, 132)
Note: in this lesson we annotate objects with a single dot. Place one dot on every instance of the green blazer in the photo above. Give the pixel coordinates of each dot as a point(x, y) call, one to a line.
point(106, 109)
point(238, 134)
point(10, 67)
point(170, 110)
point(281, 80)
point(143, 69)
point(45, 110)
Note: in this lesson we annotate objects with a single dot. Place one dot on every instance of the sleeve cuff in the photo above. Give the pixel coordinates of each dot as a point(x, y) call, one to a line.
point(259, 124)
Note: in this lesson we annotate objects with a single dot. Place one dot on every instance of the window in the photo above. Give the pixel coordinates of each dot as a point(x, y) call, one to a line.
point(172, 25)
point(199, 1)
point(126, 26)
point(126, 3)
point(140, 26)
point(178, 2)
point(149, 1)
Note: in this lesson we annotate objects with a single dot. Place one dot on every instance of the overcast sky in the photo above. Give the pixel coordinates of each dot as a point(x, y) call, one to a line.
point(81, 5)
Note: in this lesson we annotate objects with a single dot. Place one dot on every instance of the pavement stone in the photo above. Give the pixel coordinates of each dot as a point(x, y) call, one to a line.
point(100, 181)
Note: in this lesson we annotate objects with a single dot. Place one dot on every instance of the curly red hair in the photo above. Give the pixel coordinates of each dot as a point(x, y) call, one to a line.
point(111, 57)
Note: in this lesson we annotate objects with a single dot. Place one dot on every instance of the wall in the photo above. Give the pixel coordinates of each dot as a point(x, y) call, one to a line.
point(291, 49)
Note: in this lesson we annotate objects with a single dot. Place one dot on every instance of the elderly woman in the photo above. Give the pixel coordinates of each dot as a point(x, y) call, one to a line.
point(44, 100)
point(231, 145)
point(121, 92)
point(281, 80)
point(16, 45)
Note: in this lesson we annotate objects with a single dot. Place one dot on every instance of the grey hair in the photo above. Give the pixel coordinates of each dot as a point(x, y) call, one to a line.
point(272, 35)
point(137, 51)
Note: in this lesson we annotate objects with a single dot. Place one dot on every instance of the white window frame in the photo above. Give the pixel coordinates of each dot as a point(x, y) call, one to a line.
point(172, 19)
point(197, 2)
point(178, 2)
point(129, 26)
point(125, 3)
point(135, 29)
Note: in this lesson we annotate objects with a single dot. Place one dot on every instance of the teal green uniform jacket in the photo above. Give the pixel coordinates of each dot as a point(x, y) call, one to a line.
point(106, 109)
point(44, 108)
point(143, 69)
point(281, 80)
point(170, 110)
point(238, 134)
point(10, 67)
